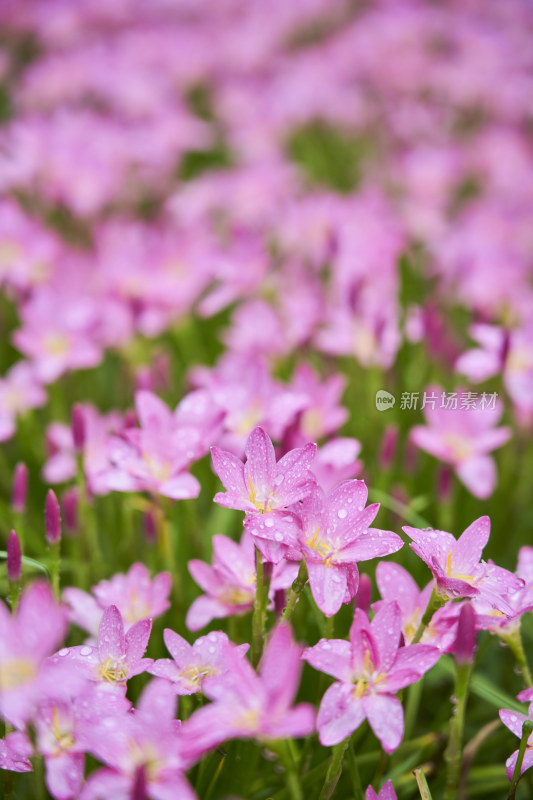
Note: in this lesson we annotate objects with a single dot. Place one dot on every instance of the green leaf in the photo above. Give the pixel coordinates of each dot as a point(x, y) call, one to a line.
point(30, 563)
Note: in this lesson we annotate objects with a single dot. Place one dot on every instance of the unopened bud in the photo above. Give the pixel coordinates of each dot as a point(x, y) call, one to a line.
point(20, 488)
point(150, 529)
point(78, 426)
point(52, 518)
point(465, 642)
point(14, 558)
point(364, 593)
point(388, 446)
point(69, 502)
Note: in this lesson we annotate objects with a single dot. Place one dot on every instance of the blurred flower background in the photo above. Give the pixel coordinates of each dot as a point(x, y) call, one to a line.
point(222, 215)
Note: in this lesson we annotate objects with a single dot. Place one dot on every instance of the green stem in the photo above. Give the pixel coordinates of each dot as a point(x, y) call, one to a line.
point(514, 641)
point(259, 612)
point(87, 522)
point(526, 733)
point(435, 602)
point(55, 567)
point(292, 778)
point(453, 753)
point(334, 770)
point(295, 592)
point(14, 595)
point(422, 784)
point(414, 693)
point(357, 786)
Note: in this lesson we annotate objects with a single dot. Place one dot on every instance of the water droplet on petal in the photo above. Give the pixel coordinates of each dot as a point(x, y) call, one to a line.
point(269, 523)
point(342, 513)
point(85, 651)
point(64, 651)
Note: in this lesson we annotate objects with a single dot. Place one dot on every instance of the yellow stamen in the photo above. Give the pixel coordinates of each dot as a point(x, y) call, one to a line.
point(321, 547)
point(457, 575)
point(15, 672)
point(111, 671)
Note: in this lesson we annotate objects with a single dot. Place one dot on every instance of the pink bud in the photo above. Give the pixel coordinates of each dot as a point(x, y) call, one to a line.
point(69, 502)
point(388, 446)
point(364, 593)
point(150, 526)
point(14, 558)
point(78, 426)
point(444, 483)
point(465, 642)
point(144, 379)
point(52, 518)
point(20, 488)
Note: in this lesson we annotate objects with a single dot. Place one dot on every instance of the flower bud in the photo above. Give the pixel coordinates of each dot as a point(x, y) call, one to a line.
point(69, 502)
point(139, 790)
point(465, 642)
point(52, 518)
point(78, 426)
point(20, 488)
point(14, 558)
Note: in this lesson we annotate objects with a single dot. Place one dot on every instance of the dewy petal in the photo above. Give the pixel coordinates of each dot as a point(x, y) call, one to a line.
point(339, 714)
point(410, 664)
point(178, 647)
point(513, 720)
point(111, 639)
point(372, 543)
point(395, 583)
point(328, 585)
point(40, 620)
point(260, 461)
point(64, 775)
point(293, 479)
point(280, 668)
point(332, 656)
point(151, 410)
point(137, 640)
point(350, 496)
point(478, 475)
point(385, 715)
point(467, 552)
point(205, 576)
point(230, 470)
point(386, 628)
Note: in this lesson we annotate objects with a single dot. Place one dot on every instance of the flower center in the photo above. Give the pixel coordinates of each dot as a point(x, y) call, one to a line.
point(113, 671)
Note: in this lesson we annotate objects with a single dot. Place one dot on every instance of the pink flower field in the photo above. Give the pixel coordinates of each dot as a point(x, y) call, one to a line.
point(266, 399)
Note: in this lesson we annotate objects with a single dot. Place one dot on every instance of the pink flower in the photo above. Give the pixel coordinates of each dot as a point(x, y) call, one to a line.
point(260, 484)
point(385, 793)
point(15, 752)
point(135, 594)
point(117, 657)
point(27, 675)
point(230, 583)
point(60, 728)
point(146, 743)
point(395, 583)
point(463, 437)
point(250, 705)
point(155, 457)
point(20, 390)
point(332, 532)
point(457, 568)
point(192, 666)
point(337, 461)
point(369, 669)
point(323, 414)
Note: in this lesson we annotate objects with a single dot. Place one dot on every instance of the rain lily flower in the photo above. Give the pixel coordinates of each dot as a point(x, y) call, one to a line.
point(332, 532)
point(20, 390)
point(192, 666)
point(230, 583)
point(28, 638)
point(60, 730)
point(117, 657)
point(148, 742)
point(336, 461)
point(260, 484)
point(155, 457)
point(369, 669)
point(457, 568)
point(136, 595)
point(463, 437)
point(395, 583)
point(249, 705)
point(15, 752)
